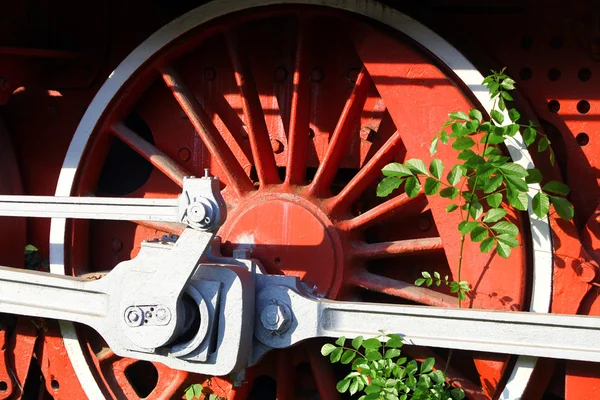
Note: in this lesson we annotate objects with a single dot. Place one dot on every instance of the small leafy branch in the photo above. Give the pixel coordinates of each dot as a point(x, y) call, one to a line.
point(461, 287)
point(382, 373)
point(486, 181)
point(196, 390)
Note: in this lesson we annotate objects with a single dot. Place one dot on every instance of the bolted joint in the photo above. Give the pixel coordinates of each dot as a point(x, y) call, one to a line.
point(134, 316)
point(276, 317)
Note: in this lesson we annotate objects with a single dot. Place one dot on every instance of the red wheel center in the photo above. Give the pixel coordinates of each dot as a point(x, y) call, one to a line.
point(289, 236)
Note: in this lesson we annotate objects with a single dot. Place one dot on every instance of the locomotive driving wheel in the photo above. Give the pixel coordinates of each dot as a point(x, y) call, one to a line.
point(296, 107)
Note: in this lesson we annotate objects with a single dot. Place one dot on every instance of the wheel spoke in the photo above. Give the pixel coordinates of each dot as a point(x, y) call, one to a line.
point(254, 119)
point(396, 248)
point(299, 113)
point(342, 136)
point(382, 211)
point(156, 157)
point(236, 177)
point(405, 290)
point(367, 174)
point(324, 376)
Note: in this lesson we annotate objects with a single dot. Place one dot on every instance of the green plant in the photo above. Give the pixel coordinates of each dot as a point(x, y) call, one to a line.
point(381, 372)
point(196, 390)
point(485, 182)
point(33, 260)
point(480, 187)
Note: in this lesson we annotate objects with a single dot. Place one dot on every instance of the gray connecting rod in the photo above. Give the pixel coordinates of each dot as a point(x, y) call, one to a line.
point(572, 337)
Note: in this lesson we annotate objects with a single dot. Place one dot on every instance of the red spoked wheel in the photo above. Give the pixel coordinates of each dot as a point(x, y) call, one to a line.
point(296, 109)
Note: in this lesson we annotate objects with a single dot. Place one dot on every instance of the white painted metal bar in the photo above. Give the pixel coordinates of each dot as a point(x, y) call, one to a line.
point(40, 294)
point(572, 337)
point(107, 208)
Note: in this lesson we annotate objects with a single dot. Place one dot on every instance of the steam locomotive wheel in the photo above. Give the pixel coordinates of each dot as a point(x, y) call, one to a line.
point(295, 108)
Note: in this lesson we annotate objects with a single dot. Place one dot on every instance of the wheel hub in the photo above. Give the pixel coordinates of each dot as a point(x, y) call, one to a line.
point(296, 239)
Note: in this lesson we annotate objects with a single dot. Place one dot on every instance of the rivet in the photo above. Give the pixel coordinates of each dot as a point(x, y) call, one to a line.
point(352, 74)
point(424, 223)
point(184, 154)
point(586, 272)
point(4, 84)
point(116, 245)
point(280, 74)
point(317, 75)
point(209, 73)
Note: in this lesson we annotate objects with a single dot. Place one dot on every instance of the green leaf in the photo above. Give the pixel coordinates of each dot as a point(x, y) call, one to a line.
point(436, 168)
point(354, 386)
point(372, 389)
point(466, 155)
point(497, 116)
point(327, 349)
point(451, 207)
point(503, 250)
point(434, 146)
point(449, 193)
point(396, 169)
point(372, 343)
point(432, 186)
point(466, 227)
point(517, 199)
point(512, 169)
point(556, 188)
point(471, 127)
point(357, 342)
point(534, 176)
point(506, 96)
point(458, 116)
point(509, 240)
point(444, 137)
point(514, 183)
point(475, 114)
point(373, 355)
point(508, 84)
point(348, 356)
point(455, 174)
point(336, 355)
point(529, 136)
point(197, 390)
point(494, 215)
point(457, 394)
point(511, 129)
point(412, 187)
point(543, 144)
point(427, 365)
point(426, 275)
point(457, 130)
point(394, 341)
point(213, 396)
point(494, 200)
point(487, 245)
point(388, 185)
point(341, 341)
point(475, 210)
point(417, 166)
point(478, 234)
point(563, 208)
point(492, 183)
point(463, 143)
point(343, 385)
point(420, 282)
point(492, 138)
point(541, 204)
point(392, 353)
point(506, 227)
point(513, 115)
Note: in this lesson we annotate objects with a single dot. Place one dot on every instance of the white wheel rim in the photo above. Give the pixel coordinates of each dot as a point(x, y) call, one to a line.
point(436, 45)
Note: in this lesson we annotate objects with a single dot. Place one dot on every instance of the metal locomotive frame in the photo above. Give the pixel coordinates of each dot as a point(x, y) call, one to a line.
point(294, 105)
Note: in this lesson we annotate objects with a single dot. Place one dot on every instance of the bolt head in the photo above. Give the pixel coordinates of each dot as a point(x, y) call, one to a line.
point(276, 318)
point(197, 213)
point(133, 316)
point(161, 314)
